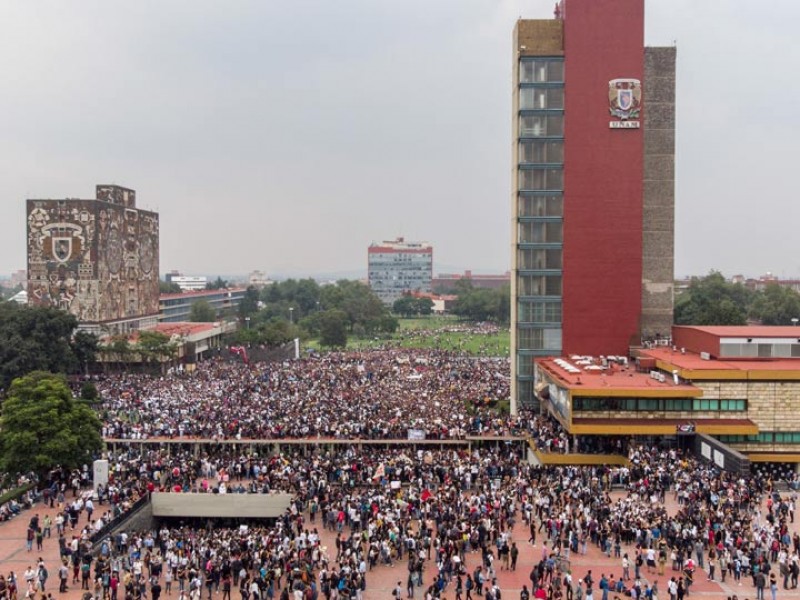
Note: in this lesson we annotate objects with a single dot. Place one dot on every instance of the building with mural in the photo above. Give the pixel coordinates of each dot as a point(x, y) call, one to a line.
point(97, 259)
point(592, 204)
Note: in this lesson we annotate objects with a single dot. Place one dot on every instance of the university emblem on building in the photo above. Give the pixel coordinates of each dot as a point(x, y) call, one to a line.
point(625, 98)
point(65, 240)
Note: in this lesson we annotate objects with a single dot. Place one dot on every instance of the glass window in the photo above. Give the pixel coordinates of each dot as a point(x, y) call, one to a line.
point(530, 339)
point(541, 206)
point(541, 151)
point(538, 259)
point(541, 126)
point(541, 179)
point(524, 366)
point(540, 312)
point(549, 232)
point(541, 98)
point(539, 285)
point(541, 70)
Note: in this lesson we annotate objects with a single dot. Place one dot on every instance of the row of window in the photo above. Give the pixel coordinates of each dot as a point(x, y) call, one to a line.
point(539, 312)
point(540, 232)
point(541, 70)
point(765, 437)
point(550, 205)
point(539, 285)
point(749, 349)
point(541, 151)
point(539, 339)
point(541, 126)
point(657, 404)
point(541, 179)
point(539, 259)
point(541, 98)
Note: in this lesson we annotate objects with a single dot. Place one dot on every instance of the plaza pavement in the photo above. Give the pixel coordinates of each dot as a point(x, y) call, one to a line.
point(382, 579)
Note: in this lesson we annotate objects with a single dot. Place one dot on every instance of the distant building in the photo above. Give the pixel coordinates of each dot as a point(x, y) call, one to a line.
point(396, 267)
point(20, 297)
point(176, 308)
point(258, 279)
point(760, 283)
point(96, 259)
point(447, 281)
point(18, 278)
point(187, 284)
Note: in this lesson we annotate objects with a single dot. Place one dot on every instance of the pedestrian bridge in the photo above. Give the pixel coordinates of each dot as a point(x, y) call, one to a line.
point(245, 506)
point(577, 459)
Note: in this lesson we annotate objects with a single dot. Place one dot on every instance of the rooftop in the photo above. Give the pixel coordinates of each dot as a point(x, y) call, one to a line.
point(199, 293)
point(612, 375)
point(745, 331)
point(692, 366)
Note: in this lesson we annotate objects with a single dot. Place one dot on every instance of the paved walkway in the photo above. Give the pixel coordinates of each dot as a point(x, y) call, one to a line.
point(380, 581)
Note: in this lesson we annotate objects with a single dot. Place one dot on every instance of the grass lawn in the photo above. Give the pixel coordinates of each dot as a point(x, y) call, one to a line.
point(428, 332)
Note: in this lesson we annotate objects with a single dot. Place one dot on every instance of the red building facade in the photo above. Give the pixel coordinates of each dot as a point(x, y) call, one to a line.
point(593, 193)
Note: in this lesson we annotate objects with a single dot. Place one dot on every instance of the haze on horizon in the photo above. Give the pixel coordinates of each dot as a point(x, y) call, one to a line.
point(288, 136)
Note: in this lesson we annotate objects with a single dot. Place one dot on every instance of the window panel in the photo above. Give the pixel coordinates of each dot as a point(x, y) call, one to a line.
point(541, 71)
point(541, 206)
point(541, 151)
point(541, 179)
point(541, 98)
point(541, 126)
point(539, 285)
point(539, 259)
point(541, 233)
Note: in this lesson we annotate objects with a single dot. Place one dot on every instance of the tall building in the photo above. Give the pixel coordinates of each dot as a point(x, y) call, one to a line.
point(97, 259)
point(397, 266)
point(593, 185)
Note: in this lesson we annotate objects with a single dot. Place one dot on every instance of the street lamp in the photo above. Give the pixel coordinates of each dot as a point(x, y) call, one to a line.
point(291, 314)
point(794, 321)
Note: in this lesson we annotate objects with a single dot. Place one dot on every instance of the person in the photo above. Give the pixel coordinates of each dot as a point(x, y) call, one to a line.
point(514, 555)
point(761, 582)
point(773, 586)
point(397, 592)
point(63, 575)
point(524, 594)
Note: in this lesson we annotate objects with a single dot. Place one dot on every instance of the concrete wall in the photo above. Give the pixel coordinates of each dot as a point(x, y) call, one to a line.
point(658, 201)
point(255, 506)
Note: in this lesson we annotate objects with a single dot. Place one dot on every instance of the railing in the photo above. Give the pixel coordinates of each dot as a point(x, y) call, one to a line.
point(119, 520)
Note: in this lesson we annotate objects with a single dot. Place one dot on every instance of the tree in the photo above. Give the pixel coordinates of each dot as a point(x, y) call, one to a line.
point(85, 347)
point(405, 306)
point(333, 328)
point(711, 300)
point(154, 346)
point(249, 304)
point(169, 287)
point(218, 284)
point(202, 312)
point(776, 305)
point(42, 426)
point(35, 338)
point(89, 393)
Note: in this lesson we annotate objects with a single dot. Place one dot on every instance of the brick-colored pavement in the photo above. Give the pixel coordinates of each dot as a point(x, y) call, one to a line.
point(381, 580)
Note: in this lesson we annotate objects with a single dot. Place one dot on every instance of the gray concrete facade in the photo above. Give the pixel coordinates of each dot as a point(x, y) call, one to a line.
point(658, 202)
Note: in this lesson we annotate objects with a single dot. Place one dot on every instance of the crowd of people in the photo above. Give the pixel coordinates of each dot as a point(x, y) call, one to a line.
point(379, 394)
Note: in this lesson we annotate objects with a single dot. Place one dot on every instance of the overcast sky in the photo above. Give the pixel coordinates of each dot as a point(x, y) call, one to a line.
point(288, 135)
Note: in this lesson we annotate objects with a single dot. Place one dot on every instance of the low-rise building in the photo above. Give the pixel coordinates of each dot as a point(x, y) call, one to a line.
point(178, 307)
point(740, 385)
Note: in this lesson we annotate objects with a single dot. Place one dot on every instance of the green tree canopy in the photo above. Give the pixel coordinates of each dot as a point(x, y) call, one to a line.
point(776, 305)
point(169, 287)
point(43, 426)
point(154, 346)
point(218, 284)
point(38, 338)
point(202, 312)
point(711, 300)
point(333, 328)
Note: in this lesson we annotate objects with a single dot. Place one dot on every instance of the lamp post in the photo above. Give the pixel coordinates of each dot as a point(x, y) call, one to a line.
point(794, 321)
point(291, 314)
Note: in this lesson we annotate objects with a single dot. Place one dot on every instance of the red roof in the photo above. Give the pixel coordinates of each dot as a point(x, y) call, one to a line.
point(183, 328)
point(615, 377)
point(745, 331)
point(692, 361)
point(199, 293)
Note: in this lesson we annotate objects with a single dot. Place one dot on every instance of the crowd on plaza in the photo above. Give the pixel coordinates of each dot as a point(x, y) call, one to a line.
point(378, 395)
point(446, 505)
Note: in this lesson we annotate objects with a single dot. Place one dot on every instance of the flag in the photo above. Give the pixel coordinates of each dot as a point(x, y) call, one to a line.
point(380, 472)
